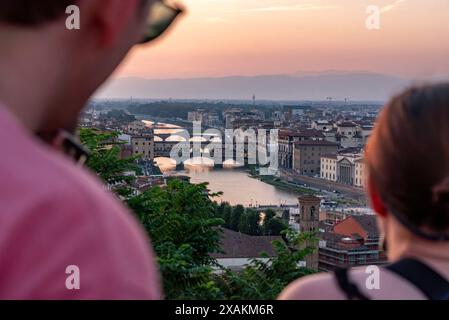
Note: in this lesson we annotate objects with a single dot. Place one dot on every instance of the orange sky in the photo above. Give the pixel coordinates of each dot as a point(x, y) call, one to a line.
point(253, 37)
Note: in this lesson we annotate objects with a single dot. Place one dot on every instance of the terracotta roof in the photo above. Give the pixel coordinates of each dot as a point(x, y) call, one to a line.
point(368, 223)
point(351, 150)
point(309, 198)
point(239, 245)
point(330, 156)
point(347, 124)
point(324, 143)
point(309, 133)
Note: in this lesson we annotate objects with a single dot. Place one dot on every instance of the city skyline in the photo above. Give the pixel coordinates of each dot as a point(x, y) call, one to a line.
point(219, 38)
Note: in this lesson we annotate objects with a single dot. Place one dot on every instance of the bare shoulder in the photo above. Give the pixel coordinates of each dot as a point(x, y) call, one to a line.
point(321, 286)
point(372, 281)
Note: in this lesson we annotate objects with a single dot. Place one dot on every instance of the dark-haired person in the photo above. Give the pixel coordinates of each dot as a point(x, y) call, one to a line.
point(408, 184)
point(61, 235)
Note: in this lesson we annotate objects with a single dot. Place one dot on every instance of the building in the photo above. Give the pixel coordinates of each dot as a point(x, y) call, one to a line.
point(322, 125)
point(347, 167)
point(306, 218)
point(286, 141)
point(195, 116)
point(352, 242)
point(213, 120)
point(136, 127)
point(307, 155)
point(143, 145)
point(329, 167)
point(360, 173)
point(240, 249)
point(236, 118)
point(350, 134)
point(331, 218)
point(293, 112)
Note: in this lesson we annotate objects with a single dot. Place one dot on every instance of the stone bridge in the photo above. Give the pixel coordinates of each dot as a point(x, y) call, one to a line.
point(213, 149)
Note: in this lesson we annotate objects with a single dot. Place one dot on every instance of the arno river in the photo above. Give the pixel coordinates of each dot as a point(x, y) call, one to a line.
point(236, 185)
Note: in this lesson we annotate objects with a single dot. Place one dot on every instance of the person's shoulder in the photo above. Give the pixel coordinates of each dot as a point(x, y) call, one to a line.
point(63, 187)
point(38, 173)
point(374, 282)
point(321, 286)
point(52, 205)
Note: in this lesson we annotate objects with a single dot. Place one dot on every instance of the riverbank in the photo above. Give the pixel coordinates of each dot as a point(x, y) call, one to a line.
point(340, 198)
point(281, 184)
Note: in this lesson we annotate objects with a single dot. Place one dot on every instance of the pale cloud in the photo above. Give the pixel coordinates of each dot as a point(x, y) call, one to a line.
point(392, 6)
point(217, 20)
point(293, 7)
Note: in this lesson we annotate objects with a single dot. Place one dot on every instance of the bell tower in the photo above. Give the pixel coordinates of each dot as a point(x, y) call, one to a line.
point(309, 217)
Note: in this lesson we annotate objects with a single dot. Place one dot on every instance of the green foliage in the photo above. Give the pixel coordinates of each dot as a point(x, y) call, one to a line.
point(183, 226)
point(104, 158)
point(120, 115)
point(236, 214)
point(265, 279)
point(250, 223)
point(183, 223)
point(274, 227)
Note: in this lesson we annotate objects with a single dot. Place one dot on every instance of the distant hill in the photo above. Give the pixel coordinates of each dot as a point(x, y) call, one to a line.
point(299, 86)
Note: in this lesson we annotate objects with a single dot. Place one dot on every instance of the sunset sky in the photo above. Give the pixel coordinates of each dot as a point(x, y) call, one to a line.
point(256, 37)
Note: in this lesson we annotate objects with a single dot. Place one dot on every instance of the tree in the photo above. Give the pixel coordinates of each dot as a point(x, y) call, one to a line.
point(104, 158)
point(184, 225)
point(274, 227)
point(265, 279)
point(181, 221)
point(237, 212)
point(269, 214)
point(250, 223)
point(224, 211)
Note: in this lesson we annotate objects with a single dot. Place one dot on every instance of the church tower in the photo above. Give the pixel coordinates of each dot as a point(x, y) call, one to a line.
point(309, 217)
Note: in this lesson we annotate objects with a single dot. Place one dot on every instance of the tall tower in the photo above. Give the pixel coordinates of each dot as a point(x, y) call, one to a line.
point(309, 217)
point(254, 100)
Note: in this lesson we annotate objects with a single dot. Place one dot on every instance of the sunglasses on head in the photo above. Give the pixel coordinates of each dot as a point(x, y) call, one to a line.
point(161, 17)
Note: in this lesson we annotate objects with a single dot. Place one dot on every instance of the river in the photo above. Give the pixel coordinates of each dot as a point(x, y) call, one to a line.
point(235, 183)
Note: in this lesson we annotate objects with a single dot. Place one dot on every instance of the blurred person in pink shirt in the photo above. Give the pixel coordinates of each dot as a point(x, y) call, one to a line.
point(61, 235)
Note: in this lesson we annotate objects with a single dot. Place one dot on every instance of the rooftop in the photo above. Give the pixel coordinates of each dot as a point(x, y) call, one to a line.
point(324, 143)
point(239, 245)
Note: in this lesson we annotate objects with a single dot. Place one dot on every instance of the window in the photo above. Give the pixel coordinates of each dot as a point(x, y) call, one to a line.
point(312, 212)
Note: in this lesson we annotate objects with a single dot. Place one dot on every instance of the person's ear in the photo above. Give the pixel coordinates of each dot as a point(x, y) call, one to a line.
point(375, 199)
point(111, 17)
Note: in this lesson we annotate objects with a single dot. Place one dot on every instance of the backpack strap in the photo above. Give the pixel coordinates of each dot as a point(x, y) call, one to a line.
point(427, 280)
point(350, 289)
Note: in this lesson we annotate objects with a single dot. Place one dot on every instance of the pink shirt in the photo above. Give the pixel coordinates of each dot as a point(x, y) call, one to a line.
point(54, 215)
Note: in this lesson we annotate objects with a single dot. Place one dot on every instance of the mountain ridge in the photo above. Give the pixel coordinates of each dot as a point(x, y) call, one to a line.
point(340, 85)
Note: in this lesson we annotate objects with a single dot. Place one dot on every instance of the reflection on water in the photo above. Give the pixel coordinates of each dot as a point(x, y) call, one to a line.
point(163, 128)
point(236, 185)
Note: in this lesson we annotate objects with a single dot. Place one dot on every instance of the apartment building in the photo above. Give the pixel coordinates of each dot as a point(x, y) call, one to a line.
point(307, 155)
point(352, 242)
point(143, 145)
point(344, 168)
point(329, 167)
